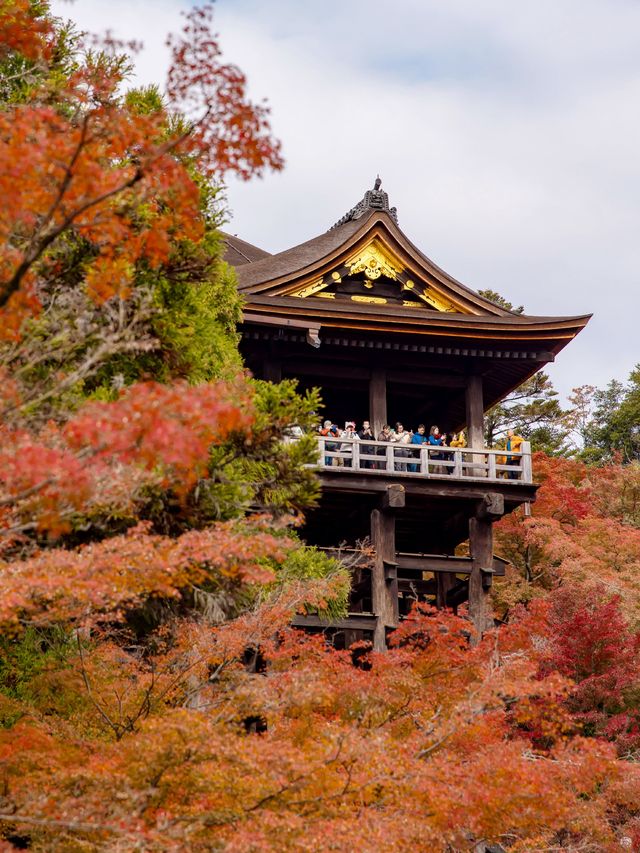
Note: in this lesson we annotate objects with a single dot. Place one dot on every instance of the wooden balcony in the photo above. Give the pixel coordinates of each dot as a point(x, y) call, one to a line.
point(343, 456)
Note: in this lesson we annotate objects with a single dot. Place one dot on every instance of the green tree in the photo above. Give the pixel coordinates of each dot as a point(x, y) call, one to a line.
point(493, 296)
point(614, 428)
point(533, 410)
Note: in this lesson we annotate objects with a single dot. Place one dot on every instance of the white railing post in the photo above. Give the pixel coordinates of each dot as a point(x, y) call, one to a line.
point(525, 461)
point(355, 454)
point(389, 459)
point(457, 459)
point(491, 458)
point(321, 451)
point(424, 461)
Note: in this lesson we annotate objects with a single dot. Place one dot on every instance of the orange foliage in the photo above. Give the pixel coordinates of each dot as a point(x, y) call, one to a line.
point(23, 32)
point(109, 173)
point(583, 531)
point(123, 571)
point(154, 433)
point(414, 749)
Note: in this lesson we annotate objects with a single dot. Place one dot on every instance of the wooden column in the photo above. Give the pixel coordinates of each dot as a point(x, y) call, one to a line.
point(384, 575)
point(481, 547)
point(444, 582)
point(378, 399)
point(475, 413)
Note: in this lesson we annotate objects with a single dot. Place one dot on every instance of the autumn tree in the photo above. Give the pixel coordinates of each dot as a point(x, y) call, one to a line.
point(435, 743)
point(110, 268)
point(595, 646)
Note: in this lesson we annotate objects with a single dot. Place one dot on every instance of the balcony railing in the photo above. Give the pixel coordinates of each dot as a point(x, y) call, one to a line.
point(414, 460)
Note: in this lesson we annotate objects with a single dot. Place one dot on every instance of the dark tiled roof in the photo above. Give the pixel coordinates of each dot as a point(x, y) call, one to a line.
point(276, 270)
point(298, 257)
point(239, 252)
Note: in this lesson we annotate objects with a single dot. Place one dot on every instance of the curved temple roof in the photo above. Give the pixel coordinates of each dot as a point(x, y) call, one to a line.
point(365, 274)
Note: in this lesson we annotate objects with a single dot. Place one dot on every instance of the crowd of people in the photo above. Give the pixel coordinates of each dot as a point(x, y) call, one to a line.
point(339, 443)
point(407, 441)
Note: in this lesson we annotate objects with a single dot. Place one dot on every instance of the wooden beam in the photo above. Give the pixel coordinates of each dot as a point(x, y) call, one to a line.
point(324, 368)
point(475, 412)
point(491, 507)
point(282, 322)
point(384, 586)
point(394, 497)
point(481, 546)
point(442, 564)
point(515, 492)
point(354, 623)
point(425, 379)
point(377, 399)
point(458, 594)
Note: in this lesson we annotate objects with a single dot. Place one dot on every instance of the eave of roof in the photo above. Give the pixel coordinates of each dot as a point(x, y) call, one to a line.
point(420, 321)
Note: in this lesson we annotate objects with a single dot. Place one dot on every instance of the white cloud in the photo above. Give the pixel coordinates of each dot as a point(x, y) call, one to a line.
point(506, 134)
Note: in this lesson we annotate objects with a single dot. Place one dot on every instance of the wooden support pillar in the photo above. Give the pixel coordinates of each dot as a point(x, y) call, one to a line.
point(488, 510)
point(378, 399)
point(444, 582)
point(384, 575)
point(475, 412)
point(481, 547)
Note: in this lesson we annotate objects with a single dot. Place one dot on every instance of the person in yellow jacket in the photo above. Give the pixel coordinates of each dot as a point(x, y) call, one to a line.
point(458, 440)
point(514, 444)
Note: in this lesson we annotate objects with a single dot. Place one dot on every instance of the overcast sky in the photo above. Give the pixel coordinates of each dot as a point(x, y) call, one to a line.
point(506, 134)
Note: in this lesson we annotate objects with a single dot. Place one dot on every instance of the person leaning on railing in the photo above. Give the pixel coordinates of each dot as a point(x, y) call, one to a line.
point(346, 448)
point(384, 435)
point(330, 429)
point(458, 439)
point(363, 434)
point(402, 437)
point(418, 438)
point(514, 443)
point(436, 439)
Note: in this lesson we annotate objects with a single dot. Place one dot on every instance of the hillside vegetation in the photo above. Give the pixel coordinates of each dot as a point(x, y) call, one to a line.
point(153, 695)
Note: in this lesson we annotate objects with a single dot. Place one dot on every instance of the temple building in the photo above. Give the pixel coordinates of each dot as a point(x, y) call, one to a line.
point(360, 312)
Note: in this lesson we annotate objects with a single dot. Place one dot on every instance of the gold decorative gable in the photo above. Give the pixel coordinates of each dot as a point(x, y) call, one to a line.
point(377, 276)
point(374, 262)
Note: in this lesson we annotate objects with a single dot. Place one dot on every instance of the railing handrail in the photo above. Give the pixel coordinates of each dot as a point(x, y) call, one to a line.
point(424, 460)
point(500, 451)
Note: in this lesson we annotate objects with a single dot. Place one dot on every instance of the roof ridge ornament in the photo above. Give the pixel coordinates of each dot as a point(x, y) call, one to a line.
point(375, 199)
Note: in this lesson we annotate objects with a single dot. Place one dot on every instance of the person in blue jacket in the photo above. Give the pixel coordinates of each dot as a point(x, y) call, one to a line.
point(419, 438)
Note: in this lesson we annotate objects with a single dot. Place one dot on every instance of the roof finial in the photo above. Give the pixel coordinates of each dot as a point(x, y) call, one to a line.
point(375, 199)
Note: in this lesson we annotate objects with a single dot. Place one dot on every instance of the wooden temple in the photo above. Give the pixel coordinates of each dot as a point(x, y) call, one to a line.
point(362, 313)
